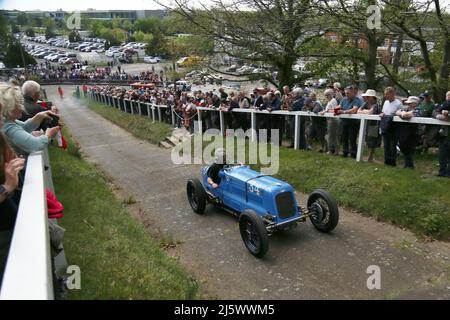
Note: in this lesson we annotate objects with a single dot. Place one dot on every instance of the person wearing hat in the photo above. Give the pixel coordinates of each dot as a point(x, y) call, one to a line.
point(407, 132)
point(427, 106)
point(428, 133)
point(216, 167)
point(371, 106)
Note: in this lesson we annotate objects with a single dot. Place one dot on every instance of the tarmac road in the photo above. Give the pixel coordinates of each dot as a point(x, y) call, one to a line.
point(301, 263)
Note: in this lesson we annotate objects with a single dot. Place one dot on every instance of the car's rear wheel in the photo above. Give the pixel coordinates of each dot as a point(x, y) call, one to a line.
point(323, 209)
point(253, 233)
point(196, 195)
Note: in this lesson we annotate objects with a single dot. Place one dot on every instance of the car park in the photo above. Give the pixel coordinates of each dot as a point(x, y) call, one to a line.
point(262, 203)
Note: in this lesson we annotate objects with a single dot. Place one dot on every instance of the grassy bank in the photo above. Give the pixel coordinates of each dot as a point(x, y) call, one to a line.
point(409, 198)
point(139, 126)
point(117, 257)
point(415, 199)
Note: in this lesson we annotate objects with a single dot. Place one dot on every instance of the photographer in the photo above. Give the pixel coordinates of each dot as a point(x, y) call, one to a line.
point(20, 134)
point(31, 91)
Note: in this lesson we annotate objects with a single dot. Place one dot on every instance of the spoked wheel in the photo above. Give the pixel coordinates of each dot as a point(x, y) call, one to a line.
point(323, 209)
point(196, 195)
point(253, 233)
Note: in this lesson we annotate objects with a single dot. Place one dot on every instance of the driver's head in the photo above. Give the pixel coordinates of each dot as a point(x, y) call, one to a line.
point(220, 156)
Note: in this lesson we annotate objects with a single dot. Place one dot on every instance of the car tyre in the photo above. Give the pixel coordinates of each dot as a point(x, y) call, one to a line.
point(253, 233)
point(196, 195)
point(323, 209)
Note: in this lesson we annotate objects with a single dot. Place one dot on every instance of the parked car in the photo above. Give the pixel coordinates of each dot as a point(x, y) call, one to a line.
point(245, 69)
point(153, 60)
point(231, 68)
point(259, 70)
point(262, 203)
point(71, 61)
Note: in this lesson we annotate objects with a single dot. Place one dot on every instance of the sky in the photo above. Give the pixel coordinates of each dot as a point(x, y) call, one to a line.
point(72, 5)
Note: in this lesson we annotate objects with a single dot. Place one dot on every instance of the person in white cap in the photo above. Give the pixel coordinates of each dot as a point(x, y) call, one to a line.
point(214, 169)
point(371, 106)
point(407, 132)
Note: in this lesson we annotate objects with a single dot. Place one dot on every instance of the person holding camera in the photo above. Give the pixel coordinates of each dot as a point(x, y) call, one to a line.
point(31, 91)
point(21, 135)
point(444, 138)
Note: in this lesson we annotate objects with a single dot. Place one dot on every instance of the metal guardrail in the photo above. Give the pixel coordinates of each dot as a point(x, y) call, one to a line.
point(28, 272)
point(122, 104)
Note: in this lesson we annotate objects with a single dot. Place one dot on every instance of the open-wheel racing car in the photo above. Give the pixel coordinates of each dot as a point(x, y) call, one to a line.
point(262, 203)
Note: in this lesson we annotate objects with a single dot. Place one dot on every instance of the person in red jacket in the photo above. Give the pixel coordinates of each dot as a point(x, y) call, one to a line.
point(85, 89)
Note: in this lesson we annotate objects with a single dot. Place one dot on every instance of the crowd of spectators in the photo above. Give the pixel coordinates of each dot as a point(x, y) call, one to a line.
point(334, 135)
point(86, 72)
point(25, 127)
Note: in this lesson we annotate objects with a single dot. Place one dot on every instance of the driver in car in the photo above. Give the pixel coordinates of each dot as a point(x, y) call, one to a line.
point(214, 169)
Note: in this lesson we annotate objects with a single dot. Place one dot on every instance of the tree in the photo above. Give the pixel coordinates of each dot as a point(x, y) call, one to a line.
point(3, 33)
point(157, 45)
point(362, 40)
point(14, 52)
point(148, 25)
point(49, 25)
point(425, 22)
point(270, 32)
point(30, 32)
point(23, 19)
point(74, 36)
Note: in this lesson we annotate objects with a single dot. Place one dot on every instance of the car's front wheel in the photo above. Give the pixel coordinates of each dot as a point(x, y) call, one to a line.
point(196, 195)
point(323, 209)
point(253, 233)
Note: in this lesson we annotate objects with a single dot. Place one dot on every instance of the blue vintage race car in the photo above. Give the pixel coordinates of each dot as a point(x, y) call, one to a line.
point(262, 203)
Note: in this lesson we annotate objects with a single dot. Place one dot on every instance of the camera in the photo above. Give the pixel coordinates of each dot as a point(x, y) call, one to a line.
point(51, 123)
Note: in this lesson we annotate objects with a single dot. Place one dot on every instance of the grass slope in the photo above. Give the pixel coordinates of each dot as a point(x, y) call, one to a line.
point(139, 126)
point(117, 257)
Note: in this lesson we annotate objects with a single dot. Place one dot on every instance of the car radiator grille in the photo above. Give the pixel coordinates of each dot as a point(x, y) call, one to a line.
point(285, 204)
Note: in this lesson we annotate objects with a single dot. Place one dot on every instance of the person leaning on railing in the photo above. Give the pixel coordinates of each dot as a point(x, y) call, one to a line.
point(371, 106)
point(444, 138)
point(350, 105)
point(10, 166)
point(333, 124)
point(390, 107)
point(21, 135)
point(407, 132)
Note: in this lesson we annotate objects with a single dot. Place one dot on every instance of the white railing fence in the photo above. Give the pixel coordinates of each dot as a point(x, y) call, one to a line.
point(148, 109)
point(29, 273)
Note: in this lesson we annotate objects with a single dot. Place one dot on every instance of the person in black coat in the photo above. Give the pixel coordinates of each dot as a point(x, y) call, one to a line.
point(407, 132)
